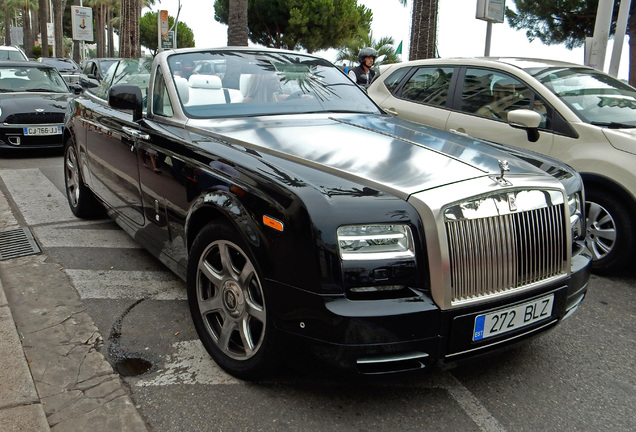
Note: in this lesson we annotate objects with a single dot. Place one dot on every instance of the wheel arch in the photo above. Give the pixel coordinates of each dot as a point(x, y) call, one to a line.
point(609, 186)
point(224, 207)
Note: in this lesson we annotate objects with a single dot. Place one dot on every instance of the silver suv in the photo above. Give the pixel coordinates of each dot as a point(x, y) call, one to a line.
point(12, 53)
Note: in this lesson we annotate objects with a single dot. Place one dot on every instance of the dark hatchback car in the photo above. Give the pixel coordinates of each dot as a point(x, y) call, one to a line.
point(33, 103)
point(68, 68)
point(304, 218)
point(94, 70)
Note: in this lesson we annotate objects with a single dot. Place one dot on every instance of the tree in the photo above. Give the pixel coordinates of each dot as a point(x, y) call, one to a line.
point(300, 24)
point(237, 32)
point(149, 26)
point(423, 29)
point(351, 47)
point(43, 13)
point(567, 22)
point(129, 46)
point(58, 15)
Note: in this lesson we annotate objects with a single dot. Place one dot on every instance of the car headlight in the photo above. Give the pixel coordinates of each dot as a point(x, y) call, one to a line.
point(576, 216)
point(375, 242)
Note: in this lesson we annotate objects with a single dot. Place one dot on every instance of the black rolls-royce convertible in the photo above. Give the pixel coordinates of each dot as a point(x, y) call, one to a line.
point(301, 215)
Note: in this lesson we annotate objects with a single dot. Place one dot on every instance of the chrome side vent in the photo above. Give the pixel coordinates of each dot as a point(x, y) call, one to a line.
point(492, 255)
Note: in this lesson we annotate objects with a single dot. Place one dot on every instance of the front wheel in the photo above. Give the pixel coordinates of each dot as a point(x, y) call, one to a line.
point(228, 303)
point(610, 235)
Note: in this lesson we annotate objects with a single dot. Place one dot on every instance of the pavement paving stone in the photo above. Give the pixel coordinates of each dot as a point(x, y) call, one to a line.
point(26, 418)
point(52, 378)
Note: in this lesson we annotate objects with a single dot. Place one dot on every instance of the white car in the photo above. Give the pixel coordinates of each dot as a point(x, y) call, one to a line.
point(585, 118)
point(12, 53)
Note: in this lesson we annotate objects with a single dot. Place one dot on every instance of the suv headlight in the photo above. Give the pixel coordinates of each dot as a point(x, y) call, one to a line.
point(375, 242)
point(576, 216)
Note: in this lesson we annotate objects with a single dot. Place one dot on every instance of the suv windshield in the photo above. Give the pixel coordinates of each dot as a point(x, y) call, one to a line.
point(595, 97)
point(220, 84)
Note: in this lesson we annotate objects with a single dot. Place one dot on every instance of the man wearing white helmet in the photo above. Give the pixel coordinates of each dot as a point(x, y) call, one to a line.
point(363, 74)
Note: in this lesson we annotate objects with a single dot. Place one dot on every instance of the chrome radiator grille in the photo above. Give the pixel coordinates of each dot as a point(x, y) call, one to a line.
point(493, 255)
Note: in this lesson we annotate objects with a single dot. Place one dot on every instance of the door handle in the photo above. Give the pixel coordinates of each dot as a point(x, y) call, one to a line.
point(391, 111)
point(135, 133)
point(460, 131)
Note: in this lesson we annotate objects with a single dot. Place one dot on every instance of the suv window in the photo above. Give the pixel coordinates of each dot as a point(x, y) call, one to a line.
point(493, 94)
point(428, 85)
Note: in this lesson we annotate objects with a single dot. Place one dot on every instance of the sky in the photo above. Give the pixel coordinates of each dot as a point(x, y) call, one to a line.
point(459, 33)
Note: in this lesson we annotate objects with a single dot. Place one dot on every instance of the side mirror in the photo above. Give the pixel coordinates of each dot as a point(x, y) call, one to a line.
point(526, 119)
point(127, 97)
point(76, 88)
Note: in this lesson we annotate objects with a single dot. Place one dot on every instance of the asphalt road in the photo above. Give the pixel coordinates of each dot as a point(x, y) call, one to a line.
point(579, 377)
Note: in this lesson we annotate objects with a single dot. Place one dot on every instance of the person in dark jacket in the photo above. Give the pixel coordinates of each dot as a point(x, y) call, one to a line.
point(363, 74)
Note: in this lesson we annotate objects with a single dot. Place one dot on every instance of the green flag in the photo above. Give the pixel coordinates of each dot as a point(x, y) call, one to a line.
point(399, 49)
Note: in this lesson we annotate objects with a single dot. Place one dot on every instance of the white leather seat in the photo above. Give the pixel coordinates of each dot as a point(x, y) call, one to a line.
point(208, 89)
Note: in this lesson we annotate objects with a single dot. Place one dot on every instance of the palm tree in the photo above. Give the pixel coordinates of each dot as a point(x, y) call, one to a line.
point(43, 14)
point(237, 23)
point(58, 16)
point(351, 47)
point(423, 29)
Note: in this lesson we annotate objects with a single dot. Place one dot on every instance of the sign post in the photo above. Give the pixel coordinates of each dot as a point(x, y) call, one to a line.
point(491, 11)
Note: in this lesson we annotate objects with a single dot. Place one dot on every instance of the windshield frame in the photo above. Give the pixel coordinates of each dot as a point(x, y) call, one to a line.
point(306, 84)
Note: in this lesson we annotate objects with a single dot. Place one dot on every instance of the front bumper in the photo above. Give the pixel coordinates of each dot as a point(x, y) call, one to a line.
point(12, 137)
point(384, 336)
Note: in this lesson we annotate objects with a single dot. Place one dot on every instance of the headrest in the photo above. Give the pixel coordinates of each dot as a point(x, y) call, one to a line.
point(205, 81)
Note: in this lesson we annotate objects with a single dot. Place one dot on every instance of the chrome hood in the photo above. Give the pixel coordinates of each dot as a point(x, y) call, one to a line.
point(394, 154)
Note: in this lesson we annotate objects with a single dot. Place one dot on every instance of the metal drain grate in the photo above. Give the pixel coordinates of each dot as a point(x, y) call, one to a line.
point(17, 243)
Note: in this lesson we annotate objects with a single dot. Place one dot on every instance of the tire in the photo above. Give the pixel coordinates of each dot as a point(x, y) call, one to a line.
point(610, 236)
point(228, 304)
point(81, 199)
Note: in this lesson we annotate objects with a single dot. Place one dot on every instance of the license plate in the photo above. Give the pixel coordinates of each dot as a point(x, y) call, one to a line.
point(513, 318)
point(43, 130)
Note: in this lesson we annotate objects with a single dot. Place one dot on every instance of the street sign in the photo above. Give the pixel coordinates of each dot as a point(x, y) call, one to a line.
point(82, 18)
point(163, 21)
point(167, 41)
point(491, 10)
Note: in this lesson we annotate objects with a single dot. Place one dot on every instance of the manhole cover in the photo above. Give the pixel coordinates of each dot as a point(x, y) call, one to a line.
point(17, 243)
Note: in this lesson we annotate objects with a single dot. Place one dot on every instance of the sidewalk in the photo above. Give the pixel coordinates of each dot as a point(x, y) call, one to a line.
point(52, 376)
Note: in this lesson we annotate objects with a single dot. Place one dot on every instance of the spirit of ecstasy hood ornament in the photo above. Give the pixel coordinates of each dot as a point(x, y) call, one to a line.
point(503, 166)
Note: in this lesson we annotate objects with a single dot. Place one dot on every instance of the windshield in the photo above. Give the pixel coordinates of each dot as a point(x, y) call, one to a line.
point(21, 79)
point(223, 84)
point(594, 96)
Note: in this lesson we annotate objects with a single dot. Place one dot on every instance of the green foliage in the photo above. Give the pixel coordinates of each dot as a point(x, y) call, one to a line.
point(556, 21)
point(301, 24)
point(149, 27)
point(349, 50)
point(37, 51)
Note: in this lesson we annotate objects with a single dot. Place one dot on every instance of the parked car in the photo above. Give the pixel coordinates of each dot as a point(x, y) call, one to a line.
point(94, 70)
point(12, 53)
point(586, 119)
point(67, 67)
point(33, 103)
point(303, 218)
